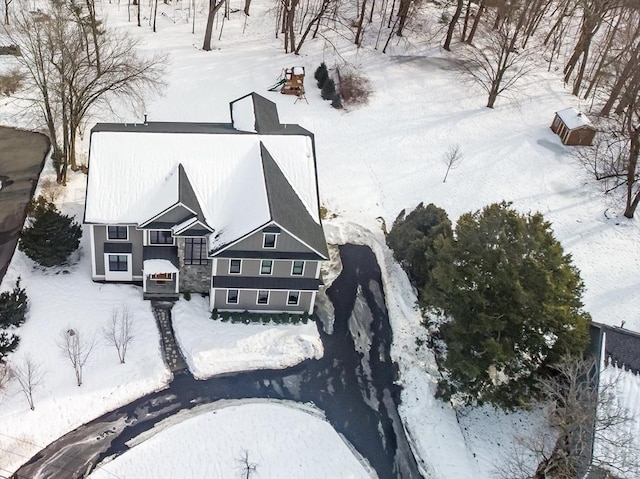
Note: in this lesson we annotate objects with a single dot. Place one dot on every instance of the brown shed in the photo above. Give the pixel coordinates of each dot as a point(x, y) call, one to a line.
point(573, 127)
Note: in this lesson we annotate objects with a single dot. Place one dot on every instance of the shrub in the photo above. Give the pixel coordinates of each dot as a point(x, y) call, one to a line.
point(328, 90)
point(51, 237)
point(321, 75)
point(354, 89)
point(11, 82)
point(337, 102)
point(187, 295)
point(13, 306)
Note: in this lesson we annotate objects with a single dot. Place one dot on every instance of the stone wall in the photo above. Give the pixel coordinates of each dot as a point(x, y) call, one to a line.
point(194, 278)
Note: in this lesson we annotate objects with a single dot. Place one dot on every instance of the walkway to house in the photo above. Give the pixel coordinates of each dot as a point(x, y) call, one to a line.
point(170, 350)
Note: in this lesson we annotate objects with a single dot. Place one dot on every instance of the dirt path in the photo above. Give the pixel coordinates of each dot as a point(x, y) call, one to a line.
point(22, 155)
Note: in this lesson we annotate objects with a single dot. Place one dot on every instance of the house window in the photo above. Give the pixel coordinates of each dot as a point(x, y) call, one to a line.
point(195, 251)
point(297, 268)
point(160, 237)
point(269, 240)
point(263, 297)
point(232, 296)
point(266, 266)
point(117, 232)
point(293, 298)
point(118, 262)
point(235, 266)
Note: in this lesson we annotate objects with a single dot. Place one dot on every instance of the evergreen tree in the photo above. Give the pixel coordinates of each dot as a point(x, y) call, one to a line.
point(512, 301)
point(13, 306)
point(336, 102)
point(328, 90)
point(52, 236)
point(321, 75)
point(8, 342)
point(412, 236)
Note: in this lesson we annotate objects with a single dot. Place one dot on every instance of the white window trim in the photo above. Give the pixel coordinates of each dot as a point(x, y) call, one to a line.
point(270, 271)
point(304, 263)
point(298, 300)
point(275, 241)
point(118, 275)
point(237, 296)
point(126, 228)
point(149, 243)
point(258, 297)
point(229, 269)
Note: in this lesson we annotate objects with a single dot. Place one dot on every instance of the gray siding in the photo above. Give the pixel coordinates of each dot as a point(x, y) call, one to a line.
point(247, 301)
point(135, 238)
point(281, 268)
point(285, 243)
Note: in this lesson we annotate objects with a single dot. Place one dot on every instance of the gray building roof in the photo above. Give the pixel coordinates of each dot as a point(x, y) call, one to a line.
point(287, 209)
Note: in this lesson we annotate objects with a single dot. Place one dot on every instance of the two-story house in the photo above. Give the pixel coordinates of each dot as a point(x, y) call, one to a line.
point(226, 209)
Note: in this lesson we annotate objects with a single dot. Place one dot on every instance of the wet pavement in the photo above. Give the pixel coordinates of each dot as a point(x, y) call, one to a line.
point(354, 384)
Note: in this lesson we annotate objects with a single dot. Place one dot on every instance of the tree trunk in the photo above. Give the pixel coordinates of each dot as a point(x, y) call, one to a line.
point(403, 13)
point(466, 21)
point(247, 4)
point(213, 9)
point(476, 21)
point(452, 25)
point(93, 22)
point(633, 198)
point(155, 14)
point(358, 39)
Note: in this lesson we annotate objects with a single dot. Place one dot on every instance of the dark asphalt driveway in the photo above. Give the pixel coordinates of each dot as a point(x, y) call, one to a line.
point(22, 155)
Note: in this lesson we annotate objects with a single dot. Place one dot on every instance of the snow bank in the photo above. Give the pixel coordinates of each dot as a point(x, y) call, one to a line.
point(215, 347)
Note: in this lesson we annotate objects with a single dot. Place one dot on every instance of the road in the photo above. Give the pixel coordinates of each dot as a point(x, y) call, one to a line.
point(22, 155)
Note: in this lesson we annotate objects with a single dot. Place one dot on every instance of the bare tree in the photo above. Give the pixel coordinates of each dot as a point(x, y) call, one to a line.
point(499, 64)
point(208, 31)
point(590, 428)
point(74, 67)
point(613, 158)
point(452, 158)
point(6, 373)
point(247, 467)
point(452, 25)
point(76, 349)
point(29, 376)
point(6, 11)
point(119, 331)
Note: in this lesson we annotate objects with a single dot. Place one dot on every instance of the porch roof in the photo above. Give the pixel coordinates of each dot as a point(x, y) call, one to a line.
point(158, 266)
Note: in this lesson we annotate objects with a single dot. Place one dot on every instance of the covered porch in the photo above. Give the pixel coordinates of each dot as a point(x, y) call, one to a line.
point(160, 279)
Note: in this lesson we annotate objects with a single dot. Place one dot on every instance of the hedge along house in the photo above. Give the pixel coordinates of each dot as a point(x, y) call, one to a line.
point(227, 209)
point(573, 127)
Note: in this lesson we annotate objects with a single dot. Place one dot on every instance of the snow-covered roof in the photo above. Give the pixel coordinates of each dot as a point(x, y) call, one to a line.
point(572, 118)
point(243, 116)
point(134, 174)
point(158, 266)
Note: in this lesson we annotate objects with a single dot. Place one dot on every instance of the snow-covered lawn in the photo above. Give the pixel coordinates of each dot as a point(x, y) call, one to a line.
point(62, 299)
point(281, 439)
point(372, 162)
point(216, 347)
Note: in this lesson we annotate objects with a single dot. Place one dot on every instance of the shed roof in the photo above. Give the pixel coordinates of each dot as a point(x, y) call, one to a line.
point(573, 119)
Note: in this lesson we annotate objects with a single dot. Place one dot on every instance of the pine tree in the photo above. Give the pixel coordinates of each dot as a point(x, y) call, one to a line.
point(52, 236)
point(13, 306)
point(336, 102)
point(8, 342)
point(328, 90)
point(321, 74)
point(412, 240)
point(511, 303)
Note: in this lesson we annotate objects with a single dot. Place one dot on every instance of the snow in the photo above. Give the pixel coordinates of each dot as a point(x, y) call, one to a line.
point(213, 347)
point(157, 266)
point(572, 118)
point(242, 115)
point(62, 299)
point(372, 162)
point(282, 439)
point(225, 171)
